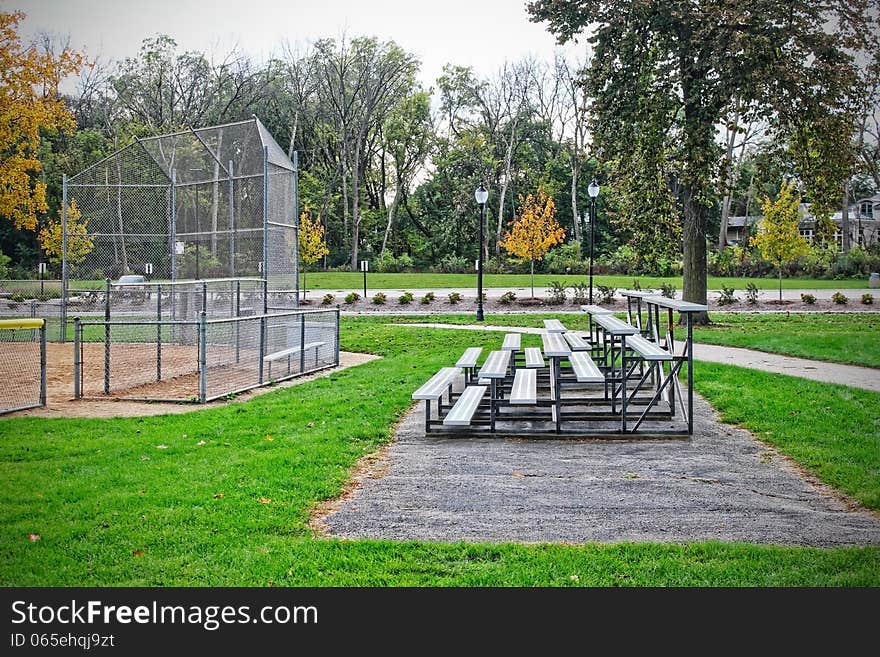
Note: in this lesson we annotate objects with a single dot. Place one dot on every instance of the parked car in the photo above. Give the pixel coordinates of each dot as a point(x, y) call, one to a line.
point(132, 286)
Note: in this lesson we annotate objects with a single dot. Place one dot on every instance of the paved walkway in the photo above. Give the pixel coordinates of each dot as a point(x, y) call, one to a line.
point(848, 375)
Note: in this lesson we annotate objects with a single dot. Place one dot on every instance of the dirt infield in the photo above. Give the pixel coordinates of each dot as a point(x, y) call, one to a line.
point(137, 364)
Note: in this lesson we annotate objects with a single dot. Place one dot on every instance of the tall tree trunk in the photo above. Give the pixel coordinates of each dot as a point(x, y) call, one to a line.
point(731, 180)
point(695, 277)
point(508, 158)
point(533, 278)
point(575, 175)
point(844, 219)
point(780, 283)
point(355, 202)
point(391, 212)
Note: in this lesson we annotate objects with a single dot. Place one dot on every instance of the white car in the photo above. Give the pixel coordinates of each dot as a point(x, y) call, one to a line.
point(132, 286)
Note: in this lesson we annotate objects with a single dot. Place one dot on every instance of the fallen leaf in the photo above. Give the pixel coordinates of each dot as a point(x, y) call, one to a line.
point(265, 500)
point(219, 496)
point(516, 473)
point(161, 446)
point(33, 538)
point(142, 492)
point(201, 442)
point(310, 424)
point(269, 437)
point(144, 457)
point(574, 578)
point(138, 553)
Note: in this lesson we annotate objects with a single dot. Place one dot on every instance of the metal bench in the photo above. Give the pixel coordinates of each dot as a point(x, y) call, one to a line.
point(468, 361)
point(585, 370)
point(646, 349)
point(512, 342)
point(534, 357)
point(554, 326)
point(576, 342)
point(525, 387)
point(433, 390)
point(287, 353)
point(461, 414)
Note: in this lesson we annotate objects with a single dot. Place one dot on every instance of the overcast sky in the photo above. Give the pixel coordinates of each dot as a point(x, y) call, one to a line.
point(481, 34)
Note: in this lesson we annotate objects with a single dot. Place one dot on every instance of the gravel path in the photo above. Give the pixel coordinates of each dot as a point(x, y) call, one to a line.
point(722, 484)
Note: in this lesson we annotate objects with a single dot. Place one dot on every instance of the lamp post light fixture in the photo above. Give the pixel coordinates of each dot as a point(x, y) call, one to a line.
point(481, 195)
point(593, 191)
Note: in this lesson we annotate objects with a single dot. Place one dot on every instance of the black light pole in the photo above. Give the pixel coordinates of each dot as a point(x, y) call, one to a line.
point(482, 195)
point(593, 191)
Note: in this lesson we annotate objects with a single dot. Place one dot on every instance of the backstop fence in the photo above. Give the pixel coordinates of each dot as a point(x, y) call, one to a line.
point(186, 360)
point(22, 364)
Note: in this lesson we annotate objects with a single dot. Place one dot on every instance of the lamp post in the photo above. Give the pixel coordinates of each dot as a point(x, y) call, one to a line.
point(593, 191)
point(481, 195)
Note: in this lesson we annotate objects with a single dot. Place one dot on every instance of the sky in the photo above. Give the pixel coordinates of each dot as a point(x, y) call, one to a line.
point(479, 34)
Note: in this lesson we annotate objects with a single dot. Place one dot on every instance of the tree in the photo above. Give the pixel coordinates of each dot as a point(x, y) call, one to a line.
point(672, 70)
point(29, 103)
point(312, 246)
point(79, 242)
point(778, 238)
point(535, 231)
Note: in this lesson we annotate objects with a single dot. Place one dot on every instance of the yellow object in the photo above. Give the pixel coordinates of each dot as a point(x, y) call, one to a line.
point(27, 323)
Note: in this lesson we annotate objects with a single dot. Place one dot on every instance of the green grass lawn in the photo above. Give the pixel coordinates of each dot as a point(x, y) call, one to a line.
point(222, 496)
point(850, 338)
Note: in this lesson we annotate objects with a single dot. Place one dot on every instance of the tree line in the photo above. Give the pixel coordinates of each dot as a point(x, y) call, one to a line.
point(685, 113)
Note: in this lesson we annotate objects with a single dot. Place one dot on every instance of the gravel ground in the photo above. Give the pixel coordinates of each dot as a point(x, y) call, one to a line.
point(722, 484)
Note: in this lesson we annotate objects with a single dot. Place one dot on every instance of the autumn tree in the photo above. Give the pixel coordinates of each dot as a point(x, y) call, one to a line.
point(79, 242)
point(535, 230)
point(664, 75)
point(312, 246)
point(29, 102)
point(778, 238)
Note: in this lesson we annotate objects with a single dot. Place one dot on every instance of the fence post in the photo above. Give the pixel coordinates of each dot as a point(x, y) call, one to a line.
point(64, 264)
point(107, 338)
point(231, 222)
point(159, 332)
point(237, 324)
point(302, 343)
point(204, 297)
point(337, 335)
point(262, 346)
point(33, 308)
point(265, 214)
point(43, 364)
point(77, 358)
point(203, 359)
point(296, 227)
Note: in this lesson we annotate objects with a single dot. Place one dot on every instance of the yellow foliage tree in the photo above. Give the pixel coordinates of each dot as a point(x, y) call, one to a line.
point(29, 101)
point(778, 238)
point(312, 245)
point(79, 243)
point(535, 230)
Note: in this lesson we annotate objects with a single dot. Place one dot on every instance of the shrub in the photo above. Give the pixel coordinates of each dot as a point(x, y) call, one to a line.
point(405, 298)
point(452, 264)
point(507, 298)
point(580, 293)
point(606, 294)
point(531, 301)
point(327, 300)
point(752, 293)
point(808, 298)
point(351, 297)
point(557, 293)
point(428, 298)
point(668, 290)
point(455, 297)
point(388, 264)
point(726, 296)
point(839, 298)
point(566, 259)
point(636, 285)
point(379, 298)
point(867, 299)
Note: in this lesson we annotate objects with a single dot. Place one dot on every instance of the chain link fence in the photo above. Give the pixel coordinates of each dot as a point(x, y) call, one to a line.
point(198, 361)
point(22, 364)
point(198, 205)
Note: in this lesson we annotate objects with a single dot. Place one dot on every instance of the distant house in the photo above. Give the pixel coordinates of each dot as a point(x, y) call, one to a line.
point(864, 224)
